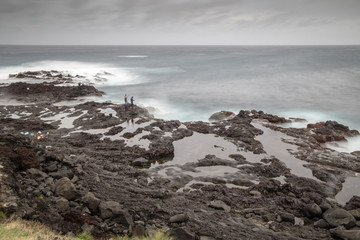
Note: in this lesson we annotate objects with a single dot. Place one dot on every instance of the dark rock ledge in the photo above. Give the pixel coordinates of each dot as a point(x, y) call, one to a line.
point(78, 180)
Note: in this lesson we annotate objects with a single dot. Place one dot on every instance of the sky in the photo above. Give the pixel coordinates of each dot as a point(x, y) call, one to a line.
point(180, 22)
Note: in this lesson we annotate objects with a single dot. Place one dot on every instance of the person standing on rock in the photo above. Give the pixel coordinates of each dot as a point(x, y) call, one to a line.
point(126, 102)
point(132, 101)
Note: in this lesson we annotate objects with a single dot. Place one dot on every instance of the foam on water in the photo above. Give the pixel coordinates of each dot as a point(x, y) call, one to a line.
point(95, 73)
point(351, 145)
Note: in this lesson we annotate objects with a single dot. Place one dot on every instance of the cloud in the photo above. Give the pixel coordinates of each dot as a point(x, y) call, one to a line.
point(168, 18)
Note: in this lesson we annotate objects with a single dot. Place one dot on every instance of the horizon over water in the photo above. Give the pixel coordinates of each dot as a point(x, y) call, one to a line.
point(188, 83)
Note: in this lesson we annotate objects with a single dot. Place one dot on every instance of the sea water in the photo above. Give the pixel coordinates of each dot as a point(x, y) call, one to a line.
point(191, 82)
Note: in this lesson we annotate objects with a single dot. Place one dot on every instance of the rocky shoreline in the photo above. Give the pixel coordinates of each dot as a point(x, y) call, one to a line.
point(107, 170)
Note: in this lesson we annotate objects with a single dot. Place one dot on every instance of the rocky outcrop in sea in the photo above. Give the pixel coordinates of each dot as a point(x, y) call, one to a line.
point(105, 169)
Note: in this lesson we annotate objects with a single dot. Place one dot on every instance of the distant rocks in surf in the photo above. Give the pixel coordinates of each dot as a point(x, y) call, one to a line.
point(47, 92)
point(53, 75)
point(330, 131)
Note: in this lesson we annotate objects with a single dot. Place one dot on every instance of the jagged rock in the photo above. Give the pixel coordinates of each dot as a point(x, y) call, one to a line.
point(112, 209)
point(182, 234)
point(62, 205)
point(355, 213)
point(87, 228)
point(337, 217)
point(91, 201)
point(321, 224)
point(287, 217)
point(220, 116)
point(179, 218)
point(255, 193)
point(63, 172)
point(354, 203)
point(65, 188)
point(141, 162)
point(340, 232)
point(109, 208)
point(36, 174)
point(218, 204)
point(181, 133)
point(312, 210)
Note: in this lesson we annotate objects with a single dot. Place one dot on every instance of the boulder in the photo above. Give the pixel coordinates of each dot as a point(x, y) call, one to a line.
point(218, 204)
point(312, 210)
point(338, 216)
point(355, 213)
point(36, 174)
point(62, 205)
point(221, 116)
point(109, 208)
point(182, 234)
point(112, 209)
point(138, 230)
point(65, 188)
point(341, 233)
point(321, 224)
point(287, 217)
point(141, 162)
point(91, 201)
point(179, 218)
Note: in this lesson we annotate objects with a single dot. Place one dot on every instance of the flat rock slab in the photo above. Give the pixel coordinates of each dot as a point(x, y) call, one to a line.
point(218, 204)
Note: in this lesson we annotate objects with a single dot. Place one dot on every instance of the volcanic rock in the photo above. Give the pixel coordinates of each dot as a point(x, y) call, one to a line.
point(337, 217)
point(64, 187)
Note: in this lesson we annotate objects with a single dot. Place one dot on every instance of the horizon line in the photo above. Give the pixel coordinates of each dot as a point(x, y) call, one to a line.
point(195, 45)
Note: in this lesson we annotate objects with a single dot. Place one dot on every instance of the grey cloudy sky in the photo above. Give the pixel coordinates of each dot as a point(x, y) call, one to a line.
point(249, 22)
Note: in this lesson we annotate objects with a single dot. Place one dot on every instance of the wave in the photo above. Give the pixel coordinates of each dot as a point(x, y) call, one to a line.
point(94, 73)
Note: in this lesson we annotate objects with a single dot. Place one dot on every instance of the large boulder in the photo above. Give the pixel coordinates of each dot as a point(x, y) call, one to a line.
point(62, 205)
point(312, 210)
point(91, 201)
point(65, 188)
point(182, 234)
point(341, 233)
point(221, 116)
point(109, 208)
point(112, 209)
point(338, 216)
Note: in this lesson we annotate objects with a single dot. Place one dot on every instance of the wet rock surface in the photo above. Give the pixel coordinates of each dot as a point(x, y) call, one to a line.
point(100, 167)
point(50, 92)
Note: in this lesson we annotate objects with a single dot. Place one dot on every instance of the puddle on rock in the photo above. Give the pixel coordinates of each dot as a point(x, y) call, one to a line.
point(349, 189)
point(64, 117)
point(197, 146)
point(274, 146)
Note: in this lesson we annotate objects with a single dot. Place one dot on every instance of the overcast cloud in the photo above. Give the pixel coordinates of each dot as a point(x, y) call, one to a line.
point(180, 22)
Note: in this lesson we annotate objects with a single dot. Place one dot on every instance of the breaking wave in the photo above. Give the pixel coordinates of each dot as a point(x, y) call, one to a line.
point(94, 73)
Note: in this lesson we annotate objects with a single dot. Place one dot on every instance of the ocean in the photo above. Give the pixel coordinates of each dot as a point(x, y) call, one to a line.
point(188, 83)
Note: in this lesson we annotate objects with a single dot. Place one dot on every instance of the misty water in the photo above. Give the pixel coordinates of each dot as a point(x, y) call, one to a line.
point(191, 82)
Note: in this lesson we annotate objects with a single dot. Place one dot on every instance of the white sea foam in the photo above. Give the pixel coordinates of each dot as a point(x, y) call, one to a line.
point(94, 73)
point(351, 145)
